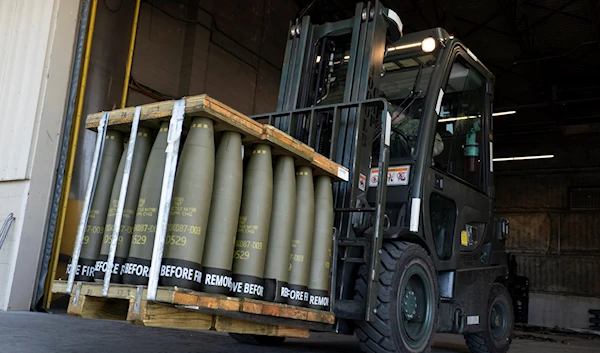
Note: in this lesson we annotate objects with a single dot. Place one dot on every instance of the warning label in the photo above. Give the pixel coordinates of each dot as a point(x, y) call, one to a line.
point(362, 182)
point(396, 176)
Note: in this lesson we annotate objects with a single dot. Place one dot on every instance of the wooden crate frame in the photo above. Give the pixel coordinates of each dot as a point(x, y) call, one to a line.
point(225, 119)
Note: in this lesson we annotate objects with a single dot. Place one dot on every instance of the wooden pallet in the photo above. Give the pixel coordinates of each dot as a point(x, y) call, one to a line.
point(225, 119)
point(184, 309)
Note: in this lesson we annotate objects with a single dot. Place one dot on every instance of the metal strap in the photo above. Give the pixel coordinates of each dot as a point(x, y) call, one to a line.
point(89, 195)
point(166, 193)
point(138, 299)
point(121, 204)
point(77, 294)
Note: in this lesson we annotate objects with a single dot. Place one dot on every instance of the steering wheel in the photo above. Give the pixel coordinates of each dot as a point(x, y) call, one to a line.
point(404, 141)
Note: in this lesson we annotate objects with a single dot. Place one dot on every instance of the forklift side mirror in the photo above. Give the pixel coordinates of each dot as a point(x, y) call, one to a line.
point(502, 228)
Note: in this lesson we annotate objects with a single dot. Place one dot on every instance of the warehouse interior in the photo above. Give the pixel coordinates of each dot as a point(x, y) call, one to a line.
point(543, 54)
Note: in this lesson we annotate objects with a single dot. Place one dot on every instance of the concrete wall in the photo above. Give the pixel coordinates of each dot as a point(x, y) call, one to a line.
point(557, 247)
point(560, 310)
point(37, 41)
point(233, 56)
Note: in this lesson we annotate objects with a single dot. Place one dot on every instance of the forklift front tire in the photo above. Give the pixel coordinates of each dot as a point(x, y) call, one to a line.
point(407, 301)
point(497, 335)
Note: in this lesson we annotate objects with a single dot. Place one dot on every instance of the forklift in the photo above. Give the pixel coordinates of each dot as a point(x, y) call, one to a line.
point(417, 249)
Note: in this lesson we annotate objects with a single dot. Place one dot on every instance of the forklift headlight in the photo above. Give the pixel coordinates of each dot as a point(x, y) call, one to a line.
point(428, 45)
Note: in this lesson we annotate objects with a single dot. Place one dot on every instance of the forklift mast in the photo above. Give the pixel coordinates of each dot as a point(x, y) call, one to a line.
point(344, 131)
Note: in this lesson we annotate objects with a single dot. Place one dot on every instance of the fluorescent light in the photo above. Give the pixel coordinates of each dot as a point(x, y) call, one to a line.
point(458, 118)
point(545, 156)
point(476, 116)
point(405, 46)
point(505, 113)
point(347, 57)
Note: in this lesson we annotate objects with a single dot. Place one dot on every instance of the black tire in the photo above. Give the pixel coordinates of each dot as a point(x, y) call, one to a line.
point(257, 340)
point(497, 336)
point(402, 265)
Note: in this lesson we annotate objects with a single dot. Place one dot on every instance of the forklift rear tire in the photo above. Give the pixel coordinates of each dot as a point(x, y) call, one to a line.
point(257, 340)
point(497, 336)
point(407, 301)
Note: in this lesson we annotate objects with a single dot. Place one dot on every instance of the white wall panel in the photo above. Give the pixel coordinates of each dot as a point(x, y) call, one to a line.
point(23, 44)
point(36, 50)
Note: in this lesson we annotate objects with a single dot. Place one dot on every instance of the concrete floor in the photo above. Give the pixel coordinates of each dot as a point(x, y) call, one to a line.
point(27, 332)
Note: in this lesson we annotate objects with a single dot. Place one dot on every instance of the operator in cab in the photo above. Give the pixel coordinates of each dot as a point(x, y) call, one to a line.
point(405, 122)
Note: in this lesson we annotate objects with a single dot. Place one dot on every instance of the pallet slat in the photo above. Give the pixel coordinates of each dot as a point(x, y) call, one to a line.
point(229, 119)
point(161, 315)
point(225, 324)
point(98, 308)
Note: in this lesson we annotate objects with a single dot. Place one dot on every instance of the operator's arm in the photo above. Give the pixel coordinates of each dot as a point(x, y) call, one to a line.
point(438, 145)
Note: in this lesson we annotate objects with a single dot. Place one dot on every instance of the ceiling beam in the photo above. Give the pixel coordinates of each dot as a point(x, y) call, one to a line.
point(480, 26)
point(564, 13)
point(553, 12)
point(509, 70)
point(508, 8)
point(416, 5)
point(595, 14)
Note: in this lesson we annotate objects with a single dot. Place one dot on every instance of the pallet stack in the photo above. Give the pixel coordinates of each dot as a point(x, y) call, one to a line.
point(191, 309)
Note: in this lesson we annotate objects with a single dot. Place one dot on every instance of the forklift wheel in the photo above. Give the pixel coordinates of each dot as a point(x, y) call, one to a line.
point(497, 336)
point(258, 340)
point(407, 301)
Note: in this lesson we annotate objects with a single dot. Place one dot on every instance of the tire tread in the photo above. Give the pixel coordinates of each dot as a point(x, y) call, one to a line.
point(476, 342)
point(376, 336)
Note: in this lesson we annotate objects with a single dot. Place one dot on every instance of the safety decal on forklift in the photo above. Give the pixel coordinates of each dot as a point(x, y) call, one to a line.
point(473, 320)
point(362, 182)
point(464, 239)
point(396, 176)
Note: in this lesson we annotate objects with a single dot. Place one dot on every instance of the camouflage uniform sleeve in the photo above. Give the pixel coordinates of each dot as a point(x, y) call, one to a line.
point(410, 127)
point(438, 145)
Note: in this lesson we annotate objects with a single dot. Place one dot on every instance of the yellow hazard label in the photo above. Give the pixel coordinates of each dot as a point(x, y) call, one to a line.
point(464, 240)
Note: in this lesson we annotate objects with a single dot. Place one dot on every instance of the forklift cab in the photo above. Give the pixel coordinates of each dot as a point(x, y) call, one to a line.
point(440, 175)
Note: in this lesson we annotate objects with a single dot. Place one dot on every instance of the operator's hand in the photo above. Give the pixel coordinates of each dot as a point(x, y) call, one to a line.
point(397, 117)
